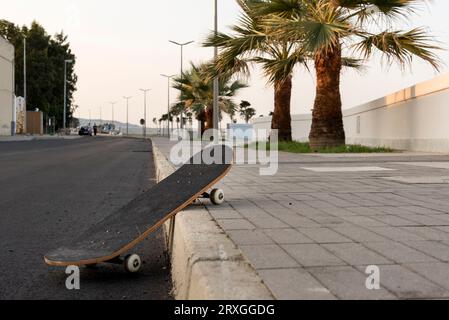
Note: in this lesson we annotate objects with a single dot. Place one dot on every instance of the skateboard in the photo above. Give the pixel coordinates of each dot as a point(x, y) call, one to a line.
point(111, 240)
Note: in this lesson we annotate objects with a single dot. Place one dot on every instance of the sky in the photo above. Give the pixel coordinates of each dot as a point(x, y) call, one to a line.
point(123, 46)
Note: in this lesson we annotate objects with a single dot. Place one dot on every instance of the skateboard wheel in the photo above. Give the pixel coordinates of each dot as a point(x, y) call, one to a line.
point(133, 263)
point(217, 196)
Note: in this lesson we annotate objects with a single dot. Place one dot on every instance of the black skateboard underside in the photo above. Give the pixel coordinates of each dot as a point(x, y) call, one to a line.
point(131, 224)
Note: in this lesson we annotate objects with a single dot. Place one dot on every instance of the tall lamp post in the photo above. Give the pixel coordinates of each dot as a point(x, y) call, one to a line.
point(65, 94)
point(25, 74)
point(168, 101)
point(127, 114)
point(112, 105)
point(182, 45)
point(216, 84)
point(145, 110)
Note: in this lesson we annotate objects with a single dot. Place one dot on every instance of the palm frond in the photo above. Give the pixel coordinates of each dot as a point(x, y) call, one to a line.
point(401, 46)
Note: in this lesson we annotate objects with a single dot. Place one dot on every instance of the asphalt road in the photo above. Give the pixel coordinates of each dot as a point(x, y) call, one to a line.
point(50, 192)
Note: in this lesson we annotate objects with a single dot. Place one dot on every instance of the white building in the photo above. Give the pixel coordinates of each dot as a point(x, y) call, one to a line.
point(7, 99)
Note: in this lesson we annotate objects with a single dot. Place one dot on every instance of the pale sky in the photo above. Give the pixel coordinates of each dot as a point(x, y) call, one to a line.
point(122, 46)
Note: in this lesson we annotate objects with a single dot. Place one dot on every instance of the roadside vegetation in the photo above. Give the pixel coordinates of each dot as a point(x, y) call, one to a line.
point(301, 147)
point(45, 57)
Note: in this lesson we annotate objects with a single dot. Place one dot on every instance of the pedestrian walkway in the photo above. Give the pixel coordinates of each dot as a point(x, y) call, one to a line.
point(21, 138)
point(312, 230)
point(16, 138)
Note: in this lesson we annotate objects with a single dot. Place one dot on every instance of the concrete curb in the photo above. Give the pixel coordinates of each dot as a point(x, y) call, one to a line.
point(206, 264)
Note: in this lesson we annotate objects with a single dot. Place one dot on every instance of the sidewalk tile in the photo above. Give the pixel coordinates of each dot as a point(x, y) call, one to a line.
point(295, 284)
point(226, 214)
point(426, 220)
point(268, 257)
point(437, 272)
point(356, 254)
point(395, 221)
point(249, 237)
point(398, 252)
point(406, 284)
point(435, 249)
point(365, 221)
point(312, 255)
point(428, 233)
point(235, 224)
point(267, 222)
point(287, 236)
point(295, 221)
point(360, 234)
point(323, 235)
point(349, 284)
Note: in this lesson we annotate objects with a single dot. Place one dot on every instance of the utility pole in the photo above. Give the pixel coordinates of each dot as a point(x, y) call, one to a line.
point(182, 45)
point(168, 100)
point(25, 72)
point(113, 104)
point(127, 114)
point(145, 110)
point(216, 84)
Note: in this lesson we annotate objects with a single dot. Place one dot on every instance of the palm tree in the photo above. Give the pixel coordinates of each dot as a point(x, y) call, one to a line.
point(196, 87)
point(246, 111)
point(327, 28)
point(253, 42)
point(176, 111)
point(161, 129)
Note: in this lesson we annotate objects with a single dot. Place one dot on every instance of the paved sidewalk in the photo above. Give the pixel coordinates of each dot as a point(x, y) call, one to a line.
point(16, 138)
point(21, 138)
point(311, 230)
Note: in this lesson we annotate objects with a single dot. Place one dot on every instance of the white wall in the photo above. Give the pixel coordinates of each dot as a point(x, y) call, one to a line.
point(6, 86)
point(415, 119)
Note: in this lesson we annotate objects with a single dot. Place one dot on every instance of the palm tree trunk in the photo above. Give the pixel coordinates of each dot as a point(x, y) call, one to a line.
point(282, 120)
point(327, 124)
point(209, 118)
point(202, 119)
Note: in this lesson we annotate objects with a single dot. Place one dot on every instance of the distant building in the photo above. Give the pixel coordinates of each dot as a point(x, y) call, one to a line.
point(20, 115)
point(7, 98)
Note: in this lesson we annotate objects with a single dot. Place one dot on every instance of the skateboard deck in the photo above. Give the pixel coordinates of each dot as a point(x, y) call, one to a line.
point(130, 225)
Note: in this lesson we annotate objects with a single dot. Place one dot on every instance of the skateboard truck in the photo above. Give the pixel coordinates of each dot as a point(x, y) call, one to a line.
point(131, 262)
point(216, 196)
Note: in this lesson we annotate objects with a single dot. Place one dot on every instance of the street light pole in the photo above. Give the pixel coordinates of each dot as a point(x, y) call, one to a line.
point(182, 45)
point(145, 110)
point(168, 100)
point(112, 105)
point(127, 114)
point(216, 84)
point(65, 94)
point(25, 72)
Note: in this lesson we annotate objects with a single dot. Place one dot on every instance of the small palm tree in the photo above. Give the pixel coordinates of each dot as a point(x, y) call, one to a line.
point(196, 87)
point(246, 112)
point(327, 28)
point(176, 111)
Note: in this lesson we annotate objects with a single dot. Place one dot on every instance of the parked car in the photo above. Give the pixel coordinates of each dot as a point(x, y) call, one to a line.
point(85, 131)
